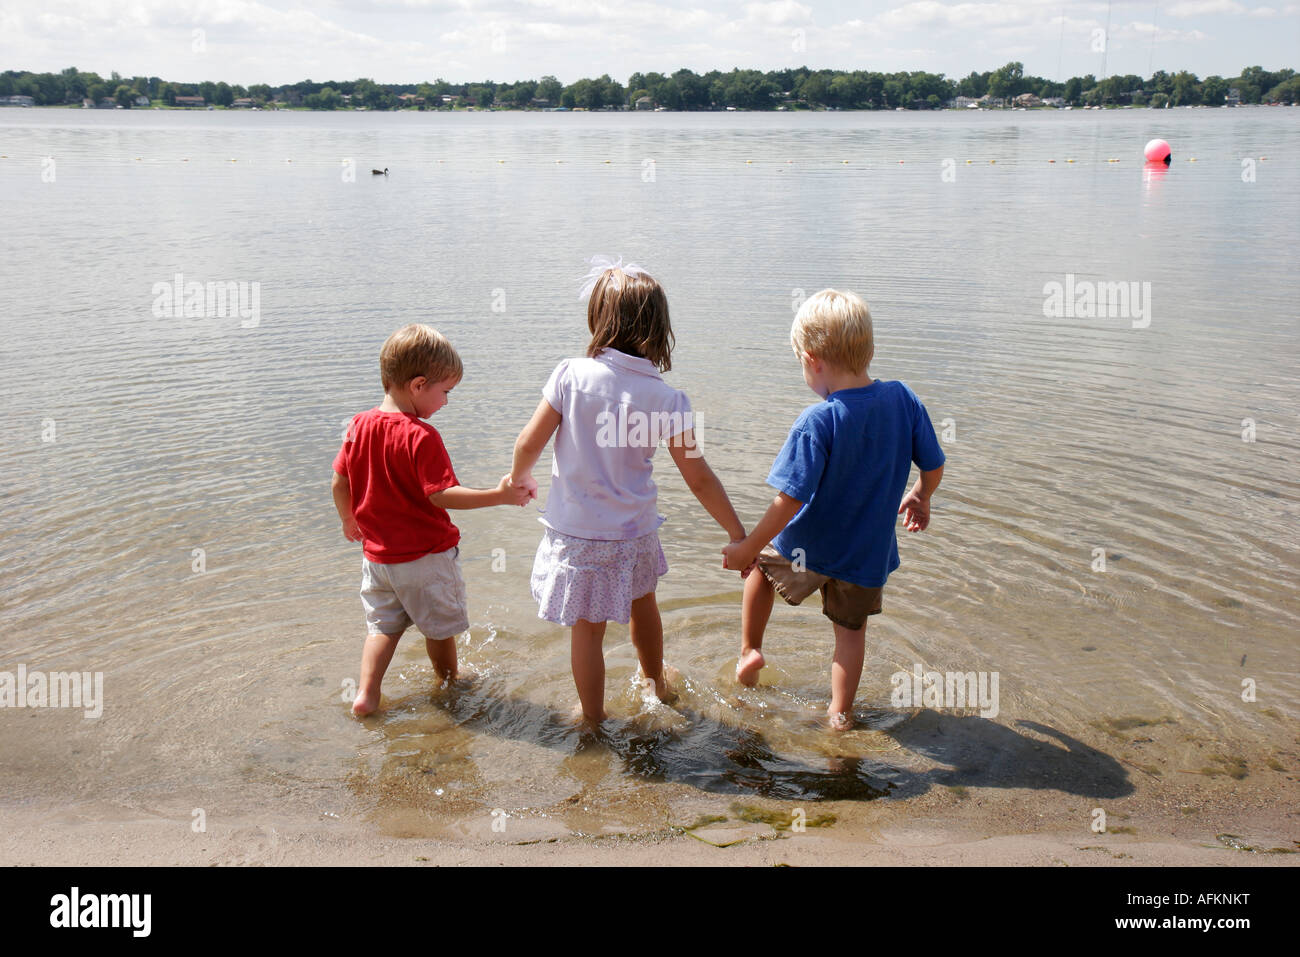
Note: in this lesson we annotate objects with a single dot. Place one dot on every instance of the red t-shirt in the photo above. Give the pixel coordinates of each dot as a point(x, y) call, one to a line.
point(393, 462)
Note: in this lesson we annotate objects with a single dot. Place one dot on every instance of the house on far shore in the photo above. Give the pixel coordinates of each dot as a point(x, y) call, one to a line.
point(243, 103)
point(142, 101)
point(1028, 100)
point(1233, 98)
point(644, 103)
point(963, 103)
point(449, 100)
point(87, 103)
point(410, 99)
point(1056, 101)
point(991, 102)
point(19, 100)
point(190, 101)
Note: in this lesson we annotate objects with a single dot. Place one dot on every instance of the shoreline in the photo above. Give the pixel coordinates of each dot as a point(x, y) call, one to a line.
point(1209, 824)
point(161, 842)
point(1109, 107)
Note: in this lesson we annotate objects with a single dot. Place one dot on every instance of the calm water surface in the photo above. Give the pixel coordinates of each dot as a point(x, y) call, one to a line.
point(130, 440)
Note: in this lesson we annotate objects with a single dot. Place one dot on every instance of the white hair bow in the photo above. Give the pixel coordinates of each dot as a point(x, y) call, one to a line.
point(599, 266)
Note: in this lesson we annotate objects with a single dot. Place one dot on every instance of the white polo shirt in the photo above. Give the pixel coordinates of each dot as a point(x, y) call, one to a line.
point(614, 409)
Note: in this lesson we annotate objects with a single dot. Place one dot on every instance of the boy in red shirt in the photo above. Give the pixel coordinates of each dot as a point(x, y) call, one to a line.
point(393, 484)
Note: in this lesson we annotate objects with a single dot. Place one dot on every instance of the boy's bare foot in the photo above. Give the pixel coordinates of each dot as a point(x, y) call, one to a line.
point(839, 720)
point(364, 704)
point(748, 667)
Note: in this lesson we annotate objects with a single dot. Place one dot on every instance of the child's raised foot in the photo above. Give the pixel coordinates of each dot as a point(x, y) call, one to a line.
point(365, 704)
point(747, 668)
point(839, 720)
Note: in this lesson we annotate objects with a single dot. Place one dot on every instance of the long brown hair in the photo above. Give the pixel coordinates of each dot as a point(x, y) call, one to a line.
point(629, 312)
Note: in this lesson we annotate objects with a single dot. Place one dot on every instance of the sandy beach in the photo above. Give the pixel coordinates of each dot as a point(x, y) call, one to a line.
point(1203, 825)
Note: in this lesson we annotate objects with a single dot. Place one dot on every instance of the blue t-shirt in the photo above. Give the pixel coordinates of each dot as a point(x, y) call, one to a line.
point(847, 459)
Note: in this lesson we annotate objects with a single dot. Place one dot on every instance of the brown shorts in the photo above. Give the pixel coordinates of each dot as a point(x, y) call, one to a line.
point(843, 602)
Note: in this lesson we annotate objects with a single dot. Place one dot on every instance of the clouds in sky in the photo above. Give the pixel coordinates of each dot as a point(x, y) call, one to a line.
point(401, 41)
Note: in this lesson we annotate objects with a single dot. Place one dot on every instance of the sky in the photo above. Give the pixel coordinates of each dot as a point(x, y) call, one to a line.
point(408, 41)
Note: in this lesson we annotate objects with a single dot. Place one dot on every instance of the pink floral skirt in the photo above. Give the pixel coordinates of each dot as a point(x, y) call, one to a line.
point(577, 578)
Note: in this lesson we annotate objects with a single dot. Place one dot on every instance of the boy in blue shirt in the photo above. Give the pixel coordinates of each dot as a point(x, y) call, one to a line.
point(840, 477)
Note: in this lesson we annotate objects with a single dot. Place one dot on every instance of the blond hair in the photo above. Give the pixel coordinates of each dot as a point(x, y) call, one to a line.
point(836, 328)
point(417, 350)
point(628, 311)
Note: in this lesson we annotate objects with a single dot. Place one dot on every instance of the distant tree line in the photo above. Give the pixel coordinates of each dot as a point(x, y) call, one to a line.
point(800, 88)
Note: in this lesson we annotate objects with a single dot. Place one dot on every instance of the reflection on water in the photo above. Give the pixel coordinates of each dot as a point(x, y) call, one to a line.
point(167, 519)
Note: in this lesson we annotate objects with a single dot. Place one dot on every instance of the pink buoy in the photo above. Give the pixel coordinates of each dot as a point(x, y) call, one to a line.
point(1158, 151)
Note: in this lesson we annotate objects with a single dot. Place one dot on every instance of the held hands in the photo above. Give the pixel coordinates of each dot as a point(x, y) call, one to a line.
point(915, 511)
point(517, 494)
point(740, 558)
point(529, 483)
point(351, 531)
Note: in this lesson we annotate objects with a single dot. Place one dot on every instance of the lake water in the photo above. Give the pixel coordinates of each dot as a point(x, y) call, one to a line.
point(167, 519)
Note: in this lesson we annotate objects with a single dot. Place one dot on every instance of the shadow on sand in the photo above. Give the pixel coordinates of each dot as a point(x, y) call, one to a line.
point(689, 747)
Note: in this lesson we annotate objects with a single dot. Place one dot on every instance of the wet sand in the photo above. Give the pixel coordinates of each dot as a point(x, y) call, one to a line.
point(1197, 820)
point(982, 834)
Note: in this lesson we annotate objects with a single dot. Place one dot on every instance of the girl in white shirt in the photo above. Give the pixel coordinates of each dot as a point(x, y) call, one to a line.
point(600, 557)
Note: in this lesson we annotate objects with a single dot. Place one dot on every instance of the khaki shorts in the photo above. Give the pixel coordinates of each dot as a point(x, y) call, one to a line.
point(428, 593)
point(843, 602)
